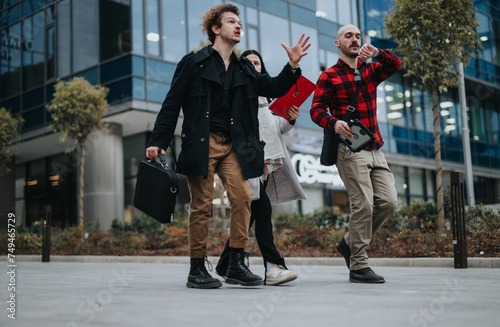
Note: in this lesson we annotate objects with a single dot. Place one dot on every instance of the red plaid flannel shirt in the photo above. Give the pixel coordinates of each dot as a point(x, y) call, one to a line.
point(336, 87)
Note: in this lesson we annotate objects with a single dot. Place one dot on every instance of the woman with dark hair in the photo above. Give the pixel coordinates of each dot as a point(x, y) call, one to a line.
point(278, 184)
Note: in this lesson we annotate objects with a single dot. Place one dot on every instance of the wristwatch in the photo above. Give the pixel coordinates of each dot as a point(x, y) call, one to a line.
point(294, 67)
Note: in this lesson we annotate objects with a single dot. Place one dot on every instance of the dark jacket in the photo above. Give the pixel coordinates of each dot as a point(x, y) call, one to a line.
point(190, 89)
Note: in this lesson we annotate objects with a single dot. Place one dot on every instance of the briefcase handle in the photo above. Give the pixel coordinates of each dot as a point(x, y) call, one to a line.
point(162, 159)
point(165, 166)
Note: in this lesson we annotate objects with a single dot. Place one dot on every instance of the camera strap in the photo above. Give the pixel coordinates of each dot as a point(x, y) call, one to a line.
point(354, 100)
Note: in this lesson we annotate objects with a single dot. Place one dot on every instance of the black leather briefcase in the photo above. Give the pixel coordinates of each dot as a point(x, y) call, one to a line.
point(156, 190)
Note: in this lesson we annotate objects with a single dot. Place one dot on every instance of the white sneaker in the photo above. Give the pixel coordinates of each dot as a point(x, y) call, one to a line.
point(279, 275)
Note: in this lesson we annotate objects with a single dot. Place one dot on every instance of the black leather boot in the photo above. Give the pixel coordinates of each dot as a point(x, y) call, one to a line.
point(238, 272)
point(199, 276)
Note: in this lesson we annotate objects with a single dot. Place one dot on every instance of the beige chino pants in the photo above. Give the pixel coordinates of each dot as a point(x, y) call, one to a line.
point(223, 161)
point(370, 185)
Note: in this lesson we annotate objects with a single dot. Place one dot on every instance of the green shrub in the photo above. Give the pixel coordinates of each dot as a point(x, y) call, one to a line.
point(410, 232)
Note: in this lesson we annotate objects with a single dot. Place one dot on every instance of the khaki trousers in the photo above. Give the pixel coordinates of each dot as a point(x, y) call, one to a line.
point(370, 185)
point(223, 161)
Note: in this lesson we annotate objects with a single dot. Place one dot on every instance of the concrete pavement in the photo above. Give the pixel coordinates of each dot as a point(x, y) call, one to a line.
point(114, 293)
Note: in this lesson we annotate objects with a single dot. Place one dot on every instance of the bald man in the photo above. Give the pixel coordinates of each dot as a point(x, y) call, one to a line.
point(366, 174)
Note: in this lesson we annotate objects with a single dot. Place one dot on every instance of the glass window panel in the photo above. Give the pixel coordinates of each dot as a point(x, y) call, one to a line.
point(196, 9)
point(33, 119)
point(303, 15)
point(252, 16)
point(137, 26)
point(309, 63)
point(488, 113)
point(253, 38)
point(133, 153)
point(13, 104)
point(10, 60)
point(51, 49)
point(276, 31)
point(449, 114)
point(174, 30)
point(477, 119)
point(10, 15)
point(345, 13)
point(314, 200)
point(7, 3)
point(50, 15)
point(49, 92)
point(33, 98)
point(138, 66)
point(277, 7)
point(138, 88)
point(153, 28)
point(430, 182)
point(416, 184)
point(34, 51)
point(30, 6)
point(116, 69)
point(327, 27)
point(115, 28)
point(306, 3)
point(160, 70)
point(395, 99)
point(417, 109)
point(119, 91)
point(85, 36)
point(328, 43)
point(250, 2)
point(381, 104)
point(354, 7)
point(157, 91)
point(90, 75)
point(63, 37)
point(399, 173)
point(327, 9)
point(332, 58)
point(428, 114)
point(494, 124)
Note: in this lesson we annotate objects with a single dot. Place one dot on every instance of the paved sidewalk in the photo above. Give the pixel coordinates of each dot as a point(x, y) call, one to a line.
point(71, 294)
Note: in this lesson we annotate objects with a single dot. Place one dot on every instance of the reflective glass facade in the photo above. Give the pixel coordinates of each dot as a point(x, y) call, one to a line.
point(133, 46)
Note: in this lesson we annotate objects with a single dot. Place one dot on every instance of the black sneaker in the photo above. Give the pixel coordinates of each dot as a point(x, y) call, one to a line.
point(366, 275)
point(345, 251)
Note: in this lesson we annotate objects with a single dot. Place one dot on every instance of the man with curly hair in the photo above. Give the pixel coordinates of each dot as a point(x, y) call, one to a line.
point(218, 94)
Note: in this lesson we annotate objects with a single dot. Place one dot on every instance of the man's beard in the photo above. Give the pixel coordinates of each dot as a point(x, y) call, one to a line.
point(344, 50)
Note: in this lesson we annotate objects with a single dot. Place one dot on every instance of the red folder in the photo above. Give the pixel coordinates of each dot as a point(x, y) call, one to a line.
point(295, 97)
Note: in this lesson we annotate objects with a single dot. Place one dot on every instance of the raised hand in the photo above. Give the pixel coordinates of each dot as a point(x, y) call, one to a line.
point(298, 50)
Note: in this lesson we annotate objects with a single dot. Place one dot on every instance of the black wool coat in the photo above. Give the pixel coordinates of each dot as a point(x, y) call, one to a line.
point(190, 90)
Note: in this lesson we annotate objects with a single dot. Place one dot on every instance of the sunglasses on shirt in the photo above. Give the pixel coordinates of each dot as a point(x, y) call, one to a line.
point(357, 76)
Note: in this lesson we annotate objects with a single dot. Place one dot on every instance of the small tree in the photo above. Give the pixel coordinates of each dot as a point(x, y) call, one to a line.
point(9, 129)
point(433, 36)
point(77, 110)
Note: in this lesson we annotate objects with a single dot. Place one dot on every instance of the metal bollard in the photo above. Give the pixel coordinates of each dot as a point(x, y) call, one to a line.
point(458, 220)
point(46, 234)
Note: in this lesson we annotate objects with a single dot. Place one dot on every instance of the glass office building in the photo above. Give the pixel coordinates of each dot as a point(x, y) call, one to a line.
point(133, 46)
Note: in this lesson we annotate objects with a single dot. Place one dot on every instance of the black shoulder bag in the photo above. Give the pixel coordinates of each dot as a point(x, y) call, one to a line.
point(331, 139)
